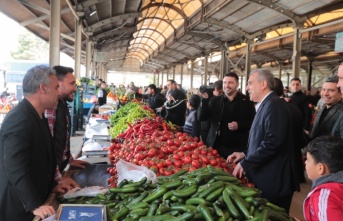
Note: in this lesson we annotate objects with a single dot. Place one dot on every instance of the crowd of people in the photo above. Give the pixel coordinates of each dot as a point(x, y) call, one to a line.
point(263, 133)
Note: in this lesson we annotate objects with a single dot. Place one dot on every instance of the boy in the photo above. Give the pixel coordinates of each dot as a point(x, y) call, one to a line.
point(324, 166)
point(192, 124)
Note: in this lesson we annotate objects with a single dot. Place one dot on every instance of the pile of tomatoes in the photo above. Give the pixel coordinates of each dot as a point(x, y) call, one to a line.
point(165, 153)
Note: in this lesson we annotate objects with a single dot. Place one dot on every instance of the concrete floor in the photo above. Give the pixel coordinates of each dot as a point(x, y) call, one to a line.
point(297, 203)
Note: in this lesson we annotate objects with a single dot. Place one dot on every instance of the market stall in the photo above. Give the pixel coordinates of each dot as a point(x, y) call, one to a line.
point(160, 173)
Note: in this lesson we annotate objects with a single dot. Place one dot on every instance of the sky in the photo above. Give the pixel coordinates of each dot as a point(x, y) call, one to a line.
point(9, 41)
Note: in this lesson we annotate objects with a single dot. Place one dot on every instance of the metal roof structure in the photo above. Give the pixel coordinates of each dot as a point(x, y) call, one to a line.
point(163, 33)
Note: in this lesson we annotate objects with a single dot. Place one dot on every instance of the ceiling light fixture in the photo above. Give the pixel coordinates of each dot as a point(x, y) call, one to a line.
point(92, 13)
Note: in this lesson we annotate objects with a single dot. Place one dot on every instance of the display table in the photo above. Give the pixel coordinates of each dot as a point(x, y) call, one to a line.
point(94, 174)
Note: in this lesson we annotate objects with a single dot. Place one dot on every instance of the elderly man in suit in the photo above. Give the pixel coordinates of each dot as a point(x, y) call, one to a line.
point(327, 116)
point(27, 159)
point(269, 161)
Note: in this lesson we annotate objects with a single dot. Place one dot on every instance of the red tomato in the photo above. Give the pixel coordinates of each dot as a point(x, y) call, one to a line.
point(177, 163)
point(152, 153)
point(205, 160)
point(168, 172)
point(177, 156)
point(187, 146)
point(161, 164)
point(169, 162)
point(170, 142)
point(187, 160)
point(195, 156)
point(161, 170)
point(191, 169)
point(213, 162)
point(250, 185)
point(177, 142)
point(196, 163)
point(203, 151)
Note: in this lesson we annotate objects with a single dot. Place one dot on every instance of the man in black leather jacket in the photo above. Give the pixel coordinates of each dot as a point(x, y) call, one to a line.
point(231, 116)
point(154, 98)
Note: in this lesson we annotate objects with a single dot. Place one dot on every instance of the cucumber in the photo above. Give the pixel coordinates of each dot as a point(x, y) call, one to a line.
point(215, 194)
point(211, 188)
point(124, 211)
point(183, 208)
point(205, 212)
point(158, 193)
point(231, 207)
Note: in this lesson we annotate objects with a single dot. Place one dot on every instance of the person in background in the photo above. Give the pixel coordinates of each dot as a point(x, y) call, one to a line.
point(337, 129)
point(102, 94)
point(178, 86)
point(269, 142)
point(231, 116)
point(121, 90)
point(28, 162)
point(154, 98)
point(206, 97)
point(164, 90)
point(298, 98)
point(324, 166)
point(327, 116)
point(192, 124)
point(59, 124)
point(218, 88)
point(98, 84)
point(299, 138)
point(113, 88)
point(175, 105)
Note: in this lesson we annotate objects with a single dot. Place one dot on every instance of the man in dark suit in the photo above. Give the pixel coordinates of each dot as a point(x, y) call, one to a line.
point(299, 137)
point(27, 159)
point(298, 98)
point(337, 130)
point(328, 115)
point(230, 115)
point(268, 162)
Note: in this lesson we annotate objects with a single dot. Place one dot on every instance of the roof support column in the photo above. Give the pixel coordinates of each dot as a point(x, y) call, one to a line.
point(154, 81)
point(55, 33)
point(248, 61)
point(296, 51)
point(78, 41)
point(280, 71)
point(158, 79)
point(88, 56)
point(174, 72)
point(167, 73)
point(192, 73)
point(181, 77)
point(205, 70)
point(223, 64)
point(310, 69)
point(162, 81)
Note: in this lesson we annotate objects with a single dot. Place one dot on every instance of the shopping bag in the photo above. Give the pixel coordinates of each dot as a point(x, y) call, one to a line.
point(130, 171)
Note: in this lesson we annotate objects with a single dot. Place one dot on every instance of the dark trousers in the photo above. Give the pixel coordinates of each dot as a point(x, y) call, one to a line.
point(284, 201)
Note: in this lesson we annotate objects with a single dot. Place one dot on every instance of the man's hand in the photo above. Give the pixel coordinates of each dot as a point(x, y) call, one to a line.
point(44, 211)
point(78, 163)
point(159, 109)
point(307, 132)
point(235, 157)
point(65, 185)
point(233, 126)
point(238, 171)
